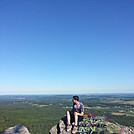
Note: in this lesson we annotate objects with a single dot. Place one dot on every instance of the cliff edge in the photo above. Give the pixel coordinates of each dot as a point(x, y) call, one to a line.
point(92, 124)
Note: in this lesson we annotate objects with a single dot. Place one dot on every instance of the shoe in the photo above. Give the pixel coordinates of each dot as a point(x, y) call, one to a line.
point(69, 127)
point(74, 129)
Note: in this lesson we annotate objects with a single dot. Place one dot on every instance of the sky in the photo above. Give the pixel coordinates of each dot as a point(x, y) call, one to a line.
point(66, 46)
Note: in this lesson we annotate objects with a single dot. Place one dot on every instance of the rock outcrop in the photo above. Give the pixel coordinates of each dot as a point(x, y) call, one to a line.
point(16, 130)
point(92, 124)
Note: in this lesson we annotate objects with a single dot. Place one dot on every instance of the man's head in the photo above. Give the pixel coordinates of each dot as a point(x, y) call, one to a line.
point(75, 98)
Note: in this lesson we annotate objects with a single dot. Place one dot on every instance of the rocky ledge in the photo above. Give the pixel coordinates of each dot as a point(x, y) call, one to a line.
point(92, 124)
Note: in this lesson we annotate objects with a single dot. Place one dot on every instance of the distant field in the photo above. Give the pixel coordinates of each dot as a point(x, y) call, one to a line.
point(121, 102)
point(39, 105)
point(122, 114)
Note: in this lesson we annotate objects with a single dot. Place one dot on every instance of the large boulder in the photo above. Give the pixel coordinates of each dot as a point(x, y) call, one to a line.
point(60, 128)
point(16, 130)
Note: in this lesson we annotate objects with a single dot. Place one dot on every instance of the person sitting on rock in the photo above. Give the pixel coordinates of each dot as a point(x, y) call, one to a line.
point(75, 115)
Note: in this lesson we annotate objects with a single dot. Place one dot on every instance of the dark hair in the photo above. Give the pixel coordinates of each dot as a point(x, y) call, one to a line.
point(76, 97)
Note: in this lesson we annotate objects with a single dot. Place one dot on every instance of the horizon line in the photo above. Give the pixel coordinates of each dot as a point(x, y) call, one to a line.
point(68, 94)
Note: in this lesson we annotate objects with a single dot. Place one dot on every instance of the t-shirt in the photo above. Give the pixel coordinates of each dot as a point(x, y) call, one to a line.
point(78, 108)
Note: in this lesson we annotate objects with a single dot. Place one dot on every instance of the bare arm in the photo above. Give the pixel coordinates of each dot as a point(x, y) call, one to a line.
point(80, 114)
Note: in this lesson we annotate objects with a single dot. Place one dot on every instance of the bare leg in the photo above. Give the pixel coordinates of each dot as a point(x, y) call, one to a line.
point(76, 118)
point(68, 118)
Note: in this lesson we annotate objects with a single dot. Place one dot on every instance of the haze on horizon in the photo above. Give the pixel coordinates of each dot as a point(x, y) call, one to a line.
point(64, 47)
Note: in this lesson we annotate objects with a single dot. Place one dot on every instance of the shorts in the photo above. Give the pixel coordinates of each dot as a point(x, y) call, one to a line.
point(80, 118)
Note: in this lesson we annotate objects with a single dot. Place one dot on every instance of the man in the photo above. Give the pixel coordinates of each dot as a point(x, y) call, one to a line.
point(76, 114)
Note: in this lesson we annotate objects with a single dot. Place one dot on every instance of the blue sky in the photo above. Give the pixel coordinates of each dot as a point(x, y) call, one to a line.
point(66, 46)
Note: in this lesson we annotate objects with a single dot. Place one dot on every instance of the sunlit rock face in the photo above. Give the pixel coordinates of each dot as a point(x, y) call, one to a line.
point(15, 130)
point(92, 124)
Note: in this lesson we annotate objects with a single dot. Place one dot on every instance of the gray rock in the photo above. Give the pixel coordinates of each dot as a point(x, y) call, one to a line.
point(16, 130)
point(53, 130)
point(60, 128)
